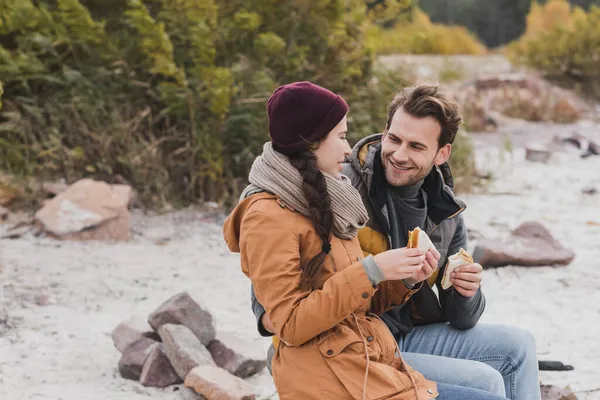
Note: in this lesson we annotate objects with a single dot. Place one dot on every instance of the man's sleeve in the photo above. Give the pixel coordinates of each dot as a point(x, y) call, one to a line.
point(258, 311)
point(462, 312)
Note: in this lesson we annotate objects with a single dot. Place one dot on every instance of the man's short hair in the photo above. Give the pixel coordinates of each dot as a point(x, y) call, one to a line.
point(426, 100)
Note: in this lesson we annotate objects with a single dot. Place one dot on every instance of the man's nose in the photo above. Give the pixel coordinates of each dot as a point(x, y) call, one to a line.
point(400, 155)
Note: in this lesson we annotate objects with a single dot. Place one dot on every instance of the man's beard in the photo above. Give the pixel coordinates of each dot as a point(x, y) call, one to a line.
point(418, 175)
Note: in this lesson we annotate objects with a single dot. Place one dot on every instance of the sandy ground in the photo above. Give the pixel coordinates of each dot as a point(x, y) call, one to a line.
point(63, 299)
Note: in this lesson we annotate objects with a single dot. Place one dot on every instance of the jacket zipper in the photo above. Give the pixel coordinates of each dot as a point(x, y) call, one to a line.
point(452, 216)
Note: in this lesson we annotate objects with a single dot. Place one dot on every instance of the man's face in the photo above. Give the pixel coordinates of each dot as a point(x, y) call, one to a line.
point(409, 149)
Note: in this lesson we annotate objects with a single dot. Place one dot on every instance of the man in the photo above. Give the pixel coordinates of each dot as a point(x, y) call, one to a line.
point(405, 182)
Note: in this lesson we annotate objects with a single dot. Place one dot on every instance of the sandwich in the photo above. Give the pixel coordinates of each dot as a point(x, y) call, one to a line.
point(455, 261)
point(418, 239)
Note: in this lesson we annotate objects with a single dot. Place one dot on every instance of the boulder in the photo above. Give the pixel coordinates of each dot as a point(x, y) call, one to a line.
point(134, 357)
point(183, 349)
point(238, 358)
point(158, 371)
point(181, 309)
point(530, 245)
point(88, 210)
point(217, 384)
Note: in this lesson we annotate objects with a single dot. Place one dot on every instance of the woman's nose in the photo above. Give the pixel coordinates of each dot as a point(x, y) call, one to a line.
point(347, 150)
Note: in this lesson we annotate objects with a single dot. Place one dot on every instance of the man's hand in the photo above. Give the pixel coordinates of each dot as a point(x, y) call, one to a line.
point(466, 279)
point(429, 266)
point(266, 322)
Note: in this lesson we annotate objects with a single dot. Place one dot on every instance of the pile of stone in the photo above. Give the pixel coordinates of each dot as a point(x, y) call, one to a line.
point(179, 343)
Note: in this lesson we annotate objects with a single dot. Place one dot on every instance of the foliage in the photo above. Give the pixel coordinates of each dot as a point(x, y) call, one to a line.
point(562, 42)
point(421, 36)
point(169, 95)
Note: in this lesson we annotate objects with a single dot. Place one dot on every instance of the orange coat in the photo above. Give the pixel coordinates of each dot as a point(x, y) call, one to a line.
point(325, 331)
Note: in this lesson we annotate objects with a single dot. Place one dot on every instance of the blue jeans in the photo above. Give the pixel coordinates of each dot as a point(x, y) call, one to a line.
point(493, 358)
point(453, 392)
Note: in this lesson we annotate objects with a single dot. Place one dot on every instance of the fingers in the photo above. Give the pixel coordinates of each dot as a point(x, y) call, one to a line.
point(465, 292)
point(466, 285)
point(266, 321)
point(413, 252)
point(436, 254)
point(467, 279)
point(415, 260)
point(430, 258)
point(466, 276)
point(473, 268)
point(406, 272)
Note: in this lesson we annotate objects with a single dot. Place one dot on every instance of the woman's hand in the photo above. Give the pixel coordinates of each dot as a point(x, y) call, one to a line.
point(401, 263)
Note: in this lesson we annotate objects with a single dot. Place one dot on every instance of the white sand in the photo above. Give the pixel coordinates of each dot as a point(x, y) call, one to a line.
point(63, 350)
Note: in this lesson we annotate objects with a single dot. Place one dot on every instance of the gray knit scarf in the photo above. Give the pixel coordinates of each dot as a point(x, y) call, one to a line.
point(273, 172)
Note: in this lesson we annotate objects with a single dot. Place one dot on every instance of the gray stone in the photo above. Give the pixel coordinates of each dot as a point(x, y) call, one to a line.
point(134, 357)
point(181, 309)
point(130, 331)
point(183, 349)
point(158, 371)
point(238, 358)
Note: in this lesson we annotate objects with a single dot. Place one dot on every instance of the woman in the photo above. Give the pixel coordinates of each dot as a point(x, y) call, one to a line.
point(298, 245)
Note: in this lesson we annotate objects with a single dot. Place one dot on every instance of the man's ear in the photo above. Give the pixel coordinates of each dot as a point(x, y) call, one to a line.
point(443, 154)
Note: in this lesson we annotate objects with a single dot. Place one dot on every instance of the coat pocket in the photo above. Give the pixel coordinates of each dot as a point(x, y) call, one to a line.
point(344, 353)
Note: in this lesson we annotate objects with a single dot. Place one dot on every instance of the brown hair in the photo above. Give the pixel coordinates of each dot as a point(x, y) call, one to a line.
point(314, 188)
point(428, 100)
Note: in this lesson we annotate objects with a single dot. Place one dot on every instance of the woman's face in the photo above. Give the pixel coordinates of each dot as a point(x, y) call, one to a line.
point(333, 150)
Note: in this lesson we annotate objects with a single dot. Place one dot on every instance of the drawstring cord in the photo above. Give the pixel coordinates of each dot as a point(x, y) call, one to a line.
point(412, 379)
point(362, 337)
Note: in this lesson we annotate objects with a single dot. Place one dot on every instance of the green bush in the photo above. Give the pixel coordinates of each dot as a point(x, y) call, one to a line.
point(170, 95)
point(567, 50)
point(421, 36)
point(167, 94)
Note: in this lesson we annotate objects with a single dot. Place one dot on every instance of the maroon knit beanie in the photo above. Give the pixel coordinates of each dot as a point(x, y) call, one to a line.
point(302, 113)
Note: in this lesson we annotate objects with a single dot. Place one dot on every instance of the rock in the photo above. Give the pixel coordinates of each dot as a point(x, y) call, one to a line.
point(54, 188)
point(537, 153)
point(550, 392)
point(235, 356)
point(134, 356)
point(532, 229)
point(593, 149)
point(158, 371)
point(18, 230)
point(548, 365)
point(217, 384)
point(88, 210)
point(190, 394)
point(530, 245)
point(181, 309)
point(183, 349)
point(589, 190)
point(3, 214)
point(130, 331)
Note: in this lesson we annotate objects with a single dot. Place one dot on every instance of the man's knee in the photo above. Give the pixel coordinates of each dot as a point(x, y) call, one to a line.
point(513, 342)
point(519, 343)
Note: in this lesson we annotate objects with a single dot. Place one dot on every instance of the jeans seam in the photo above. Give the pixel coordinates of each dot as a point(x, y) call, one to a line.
point(511, 374)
